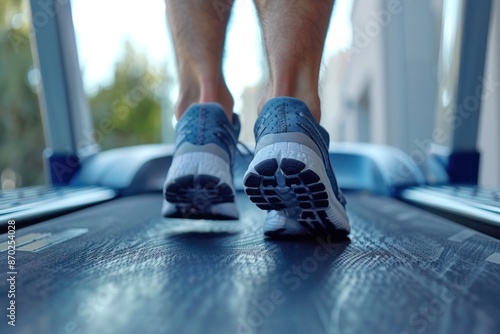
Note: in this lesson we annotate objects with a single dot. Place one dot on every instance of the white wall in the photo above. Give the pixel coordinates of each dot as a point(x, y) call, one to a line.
point(489, 131)
point(392, 65)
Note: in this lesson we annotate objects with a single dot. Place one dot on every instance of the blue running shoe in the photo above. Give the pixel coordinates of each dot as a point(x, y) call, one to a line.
point(278, 224)
point(199, 182)
point(291, 174)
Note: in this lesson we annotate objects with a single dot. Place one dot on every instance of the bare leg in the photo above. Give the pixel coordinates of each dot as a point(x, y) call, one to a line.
point(198, 31)
point(294, 34)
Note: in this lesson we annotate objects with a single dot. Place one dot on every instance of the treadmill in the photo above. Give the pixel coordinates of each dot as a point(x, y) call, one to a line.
point(94, 255)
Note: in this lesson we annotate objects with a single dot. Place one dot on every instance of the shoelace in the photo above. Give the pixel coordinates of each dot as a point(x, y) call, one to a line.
point(244, 152)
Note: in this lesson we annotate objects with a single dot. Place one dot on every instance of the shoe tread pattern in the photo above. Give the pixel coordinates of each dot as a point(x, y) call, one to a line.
point(289, 186)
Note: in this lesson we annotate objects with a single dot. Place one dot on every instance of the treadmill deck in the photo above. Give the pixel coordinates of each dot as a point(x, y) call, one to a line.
point(403, 270)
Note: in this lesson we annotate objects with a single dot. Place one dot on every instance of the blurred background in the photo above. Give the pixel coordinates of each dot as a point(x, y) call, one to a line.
point(379, 79)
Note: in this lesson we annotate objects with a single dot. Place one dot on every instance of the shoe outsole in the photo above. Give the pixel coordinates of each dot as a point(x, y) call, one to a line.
point(194, 197)
point(288, 185)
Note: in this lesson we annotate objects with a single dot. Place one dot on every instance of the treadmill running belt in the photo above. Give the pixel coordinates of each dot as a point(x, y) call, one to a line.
point(128, 270)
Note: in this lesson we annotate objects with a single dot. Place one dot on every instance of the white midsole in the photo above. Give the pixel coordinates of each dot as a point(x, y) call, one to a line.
point(200, 163)
point(292, 150)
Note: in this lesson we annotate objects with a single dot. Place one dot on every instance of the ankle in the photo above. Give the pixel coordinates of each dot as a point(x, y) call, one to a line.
point(204, 91)
point(218, 92)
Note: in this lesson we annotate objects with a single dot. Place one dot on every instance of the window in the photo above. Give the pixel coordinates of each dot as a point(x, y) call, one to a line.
point(123, 50)
point(21, 132)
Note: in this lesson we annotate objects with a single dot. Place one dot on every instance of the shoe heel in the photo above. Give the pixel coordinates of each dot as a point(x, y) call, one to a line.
point(291, 177)
point(199, 186)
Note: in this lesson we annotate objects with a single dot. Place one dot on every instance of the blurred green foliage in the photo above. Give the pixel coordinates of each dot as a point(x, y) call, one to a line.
point(21, 136)
point(125, 112)
point(128, 111)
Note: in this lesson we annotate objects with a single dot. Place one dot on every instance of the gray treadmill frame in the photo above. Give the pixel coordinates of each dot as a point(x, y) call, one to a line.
point(461, 69)
point(65, 112)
